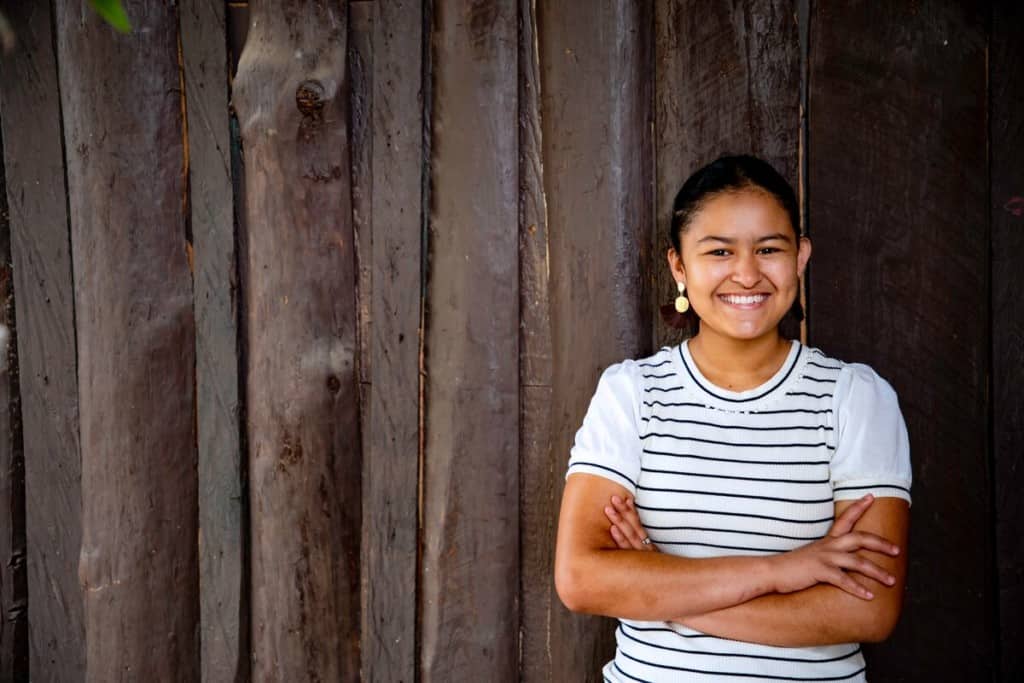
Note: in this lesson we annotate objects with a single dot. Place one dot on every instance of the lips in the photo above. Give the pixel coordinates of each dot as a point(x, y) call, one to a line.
point(744, 299)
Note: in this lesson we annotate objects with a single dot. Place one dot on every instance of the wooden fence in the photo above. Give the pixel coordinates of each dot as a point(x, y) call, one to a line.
point(300, 333)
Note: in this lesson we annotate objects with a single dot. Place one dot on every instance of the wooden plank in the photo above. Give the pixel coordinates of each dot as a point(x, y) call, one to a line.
point(299, 284)
point(470, 543)
point(1006, 99)
point(13, 585)
point(596, 107)
point(899, 208)
point(224, 627)
point(728, 82)
point(44, 537)
point(391, 470)
point(540, 474)
point(136, 341)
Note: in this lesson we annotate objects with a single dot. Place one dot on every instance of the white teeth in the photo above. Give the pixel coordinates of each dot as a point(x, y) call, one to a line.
point(738, 299)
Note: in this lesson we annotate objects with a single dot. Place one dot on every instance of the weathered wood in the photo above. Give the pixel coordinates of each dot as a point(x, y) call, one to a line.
point(299, 283)
point(224, 627)
point(539, 474)
point(899, 211)
point(596, 96)
point(391, 471)
point(470, 544)
point(728, 82)
point(44, 368)
point(1006, 99)
point(136, 341)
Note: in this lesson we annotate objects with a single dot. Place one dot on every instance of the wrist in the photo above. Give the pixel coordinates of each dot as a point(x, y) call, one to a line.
point(768, 573)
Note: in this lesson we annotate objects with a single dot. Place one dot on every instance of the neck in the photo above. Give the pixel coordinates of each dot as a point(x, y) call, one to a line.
point(742, 363)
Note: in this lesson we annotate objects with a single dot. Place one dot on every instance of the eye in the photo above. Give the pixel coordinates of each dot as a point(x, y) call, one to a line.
point(768, 250)
point(718, 252)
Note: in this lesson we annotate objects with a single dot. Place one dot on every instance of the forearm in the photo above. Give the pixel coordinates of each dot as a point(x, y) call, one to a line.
point(647, 586)
point(820, 615)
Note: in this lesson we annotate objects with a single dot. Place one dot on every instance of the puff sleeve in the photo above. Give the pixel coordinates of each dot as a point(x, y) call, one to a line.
point(608, 443)
point(873, 449)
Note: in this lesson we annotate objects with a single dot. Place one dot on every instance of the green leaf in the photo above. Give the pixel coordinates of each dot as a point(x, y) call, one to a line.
point(113, 13)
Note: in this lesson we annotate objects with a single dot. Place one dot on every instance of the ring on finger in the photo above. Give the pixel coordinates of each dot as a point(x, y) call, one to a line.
point(647, 540)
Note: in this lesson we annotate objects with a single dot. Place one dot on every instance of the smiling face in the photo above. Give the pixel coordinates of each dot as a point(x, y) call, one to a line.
point(741, 262)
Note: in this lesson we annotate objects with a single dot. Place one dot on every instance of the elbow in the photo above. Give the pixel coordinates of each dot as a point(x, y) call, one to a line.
point(571, 587)
point(880, 624)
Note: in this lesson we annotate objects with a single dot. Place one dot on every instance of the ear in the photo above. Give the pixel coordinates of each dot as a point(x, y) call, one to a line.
point(675, 264)
point(803, 255)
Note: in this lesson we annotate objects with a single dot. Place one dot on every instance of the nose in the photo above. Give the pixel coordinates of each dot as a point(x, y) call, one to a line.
point(747, 272)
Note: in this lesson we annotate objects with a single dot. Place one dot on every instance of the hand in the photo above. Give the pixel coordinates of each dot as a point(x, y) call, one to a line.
point(626, 530)
point(831, 559)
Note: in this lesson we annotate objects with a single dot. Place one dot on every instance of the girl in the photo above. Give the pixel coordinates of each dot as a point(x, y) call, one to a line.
point(774, 479)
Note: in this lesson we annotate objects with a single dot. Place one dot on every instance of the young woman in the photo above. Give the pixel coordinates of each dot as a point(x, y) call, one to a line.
point(773, 479)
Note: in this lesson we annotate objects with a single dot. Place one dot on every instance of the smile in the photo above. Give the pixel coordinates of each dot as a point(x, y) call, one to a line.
point(743, 299)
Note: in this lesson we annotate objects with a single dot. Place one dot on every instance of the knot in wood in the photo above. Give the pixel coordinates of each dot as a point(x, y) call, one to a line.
point(309, 98)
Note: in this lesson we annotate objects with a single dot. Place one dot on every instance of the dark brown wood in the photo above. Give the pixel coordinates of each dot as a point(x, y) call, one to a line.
point(596, 96)
point(299, 285)
point(391, 470)
point(728, 82)
point(539, 474)
point(470, 543)
point(1006, 100)
point(136, 341)
point(898, 213)
point(41, 372)
point(224, 632)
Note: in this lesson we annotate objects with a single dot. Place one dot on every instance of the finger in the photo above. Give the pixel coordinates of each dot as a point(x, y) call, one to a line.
point(843, 581)
point(856, 563)
point(619, 539)
point(866, 540)
point(845, 522)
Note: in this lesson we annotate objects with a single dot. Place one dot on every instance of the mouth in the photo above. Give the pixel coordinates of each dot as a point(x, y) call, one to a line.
point(744, 301)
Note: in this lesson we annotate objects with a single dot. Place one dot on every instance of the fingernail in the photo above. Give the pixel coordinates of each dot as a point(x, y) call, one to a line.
point(869, 594)
point(890, 580)
point(895, 550)
point(616, 500)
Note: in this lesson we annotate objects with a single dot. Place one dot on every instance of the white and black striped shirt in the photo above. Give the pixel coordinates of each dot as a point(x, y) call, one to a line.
point(757, 472)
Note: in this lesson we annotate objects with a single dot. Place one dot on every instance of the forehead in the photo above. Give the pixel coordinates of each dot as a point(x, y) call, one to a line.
point(746, 213)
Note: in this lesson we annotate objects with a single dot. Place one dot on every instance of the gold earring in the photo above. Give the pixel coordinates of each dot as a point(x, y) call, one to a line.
point(682, 303)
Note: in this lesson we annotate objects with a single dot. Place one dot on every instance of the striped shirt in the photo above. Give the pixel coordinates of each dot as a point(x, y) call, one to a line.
point(716, 472)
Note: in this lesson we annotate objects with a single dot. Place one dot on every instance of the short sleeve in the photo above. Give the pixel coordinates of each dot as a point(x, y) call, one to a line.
point(608, 443)
point(873, 450)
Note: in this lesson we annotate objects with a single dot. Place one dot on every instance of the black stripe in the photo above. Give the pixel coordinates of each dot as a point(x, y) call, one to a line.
point(792, 410)
point(736, 495)
point(654, 365)
point(734, 514)
point(871, 486)
point(669, 630)
point(640, 680)
point(816, 379)
point(793, 364)
point(804, 393)
point(733, 673)
point(726, 547)
point(651, 404)
point(755, 462)
point(855, 651)
point(722, 476)
point(671, 374)
point(824, 367)
point(647, 389)
point(740, 445)
point(720, 426)
point(594, 464)
point(650, 527)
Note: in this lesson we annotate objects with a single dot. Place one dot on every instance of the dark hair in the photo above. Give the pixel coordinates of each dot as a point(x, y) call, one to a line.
point(728, 174)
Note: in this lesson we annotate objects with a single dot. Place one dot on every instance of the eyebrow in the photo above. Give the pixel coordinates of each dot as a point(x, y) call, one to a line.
point(729, 240)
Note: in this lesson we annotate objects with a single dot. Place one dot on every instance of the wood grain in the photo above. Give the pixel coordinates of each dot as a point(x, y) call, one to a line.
point(727, 82)
point(470, 541)
point(1006, 99)
point(136, 341)
point(391, 470)
point(299, 285)
point(898, 209)
point(224, 631)
point(41, 370)
point(596, 107)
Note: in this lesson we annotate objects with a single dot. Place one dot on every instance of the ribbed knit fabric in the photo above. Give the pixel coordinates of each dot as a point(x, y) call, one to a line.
point(758, 472)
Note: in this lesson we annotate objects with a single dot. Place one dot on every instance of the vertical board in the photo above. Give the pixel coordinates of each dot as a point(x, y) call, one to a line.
point(540, 474)
point(391, 472)
point(224, 628)
point(42, 279)
point(1006, 99)
point(470, 570)
point(898, 209)
point(596, 93)
point(299, 284)
point(136, 341)
point(728, 82)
